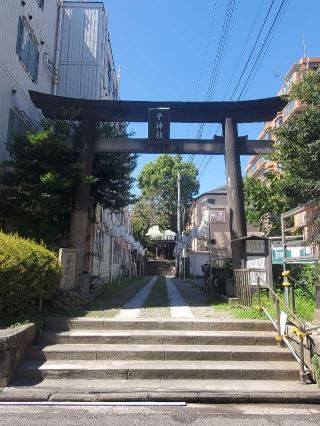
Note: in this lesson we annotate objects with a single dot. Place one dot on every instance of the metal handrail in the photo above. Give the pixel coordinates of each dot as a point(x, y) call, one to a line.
point(290, 311)
point(300, 330)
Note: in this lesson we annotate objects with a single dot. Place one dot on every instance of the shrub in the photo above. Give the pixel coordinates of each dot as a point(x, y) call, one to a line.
point(28, 271)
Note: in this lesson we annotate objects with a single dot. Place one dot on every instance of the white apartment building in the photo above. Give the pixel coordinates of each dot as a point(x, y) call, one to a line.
point(60, 47)
point(51, 46)
point(86, 67)
point(27, 52)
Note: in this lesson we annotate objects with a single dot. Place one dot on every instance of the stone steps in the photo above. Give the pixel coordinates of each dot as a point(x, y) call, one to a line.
point(185, 360)
point(193, 391)
point(130, 370)
point(173, 337)
point(64, 324)
point(156, 352)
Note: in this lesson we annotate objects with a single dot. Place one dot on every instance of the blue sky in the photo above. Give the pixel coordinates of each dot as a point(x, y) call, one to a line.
point(161, 47)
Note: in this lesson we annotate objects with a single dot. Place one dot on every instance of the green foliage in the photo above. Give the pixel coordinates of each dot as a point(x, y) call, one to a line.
point(304, 307)
point(266, 199)
point(143, 216)
point(36, 186)
point(298, 150)
point(112, 172)
point(28, 272)
point(158, 185)
point(307, 279)
point(298, 155)
point(308, 89)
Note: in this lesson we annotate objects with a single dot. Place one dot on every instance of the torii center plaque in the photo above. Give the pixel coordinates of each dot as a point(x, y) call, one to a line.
point(159, 124)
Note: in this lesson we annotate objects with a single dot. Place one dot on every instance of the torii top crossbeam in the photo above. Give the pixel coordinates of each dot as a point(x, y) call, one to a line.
point(251, 111)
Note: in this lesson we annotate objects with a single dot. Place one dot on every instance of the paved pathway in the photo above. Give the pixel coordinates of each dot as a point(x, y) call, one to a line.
point(184, 301)
point(178, 306)
point(199, 303)
point(132, 309)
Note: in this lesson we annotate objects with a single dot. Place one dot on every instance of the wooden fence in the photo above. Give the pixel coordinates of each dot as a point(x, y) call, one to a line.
point(243, 286)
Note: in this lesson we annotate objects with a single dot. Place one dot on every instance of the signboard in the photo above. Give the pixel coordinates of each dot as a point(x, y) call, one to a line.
point(291, 252)
point(159, 124)
point(68, 261)
point(255, 246)
point(277, 252)
point(283, 323)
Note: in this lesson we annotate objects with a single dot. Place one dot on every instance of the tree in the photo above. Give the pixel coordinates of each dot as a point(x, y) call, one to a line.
point(144, 215)
point(266, 201)
point(158, 184)
point(37, 183)
point(36, 186)
point(297, 153)
point(112, 173)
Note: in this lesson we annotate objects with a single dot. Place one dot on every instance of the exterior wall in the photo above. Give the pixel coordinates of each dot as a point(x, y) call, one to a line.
point(217, 202)
point(108, 252)
point(86, 67)
point(258, 165)
point(198, 258)
point(14, 79)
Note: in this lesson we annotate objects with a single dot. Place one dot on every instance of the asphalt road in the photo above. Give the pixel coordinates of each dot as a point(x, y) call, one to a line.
point(161, 416)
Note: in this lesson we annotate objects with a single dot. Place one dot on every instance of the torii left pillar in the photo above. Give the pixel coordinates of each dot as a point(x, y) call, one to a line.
point(238, 226)
point(81, 197)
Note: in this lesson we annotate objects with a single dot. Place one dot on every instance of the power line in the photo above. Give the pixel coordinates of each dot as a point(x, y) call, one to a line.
point(215, 71)
point(268, 45)
point(263, 50)
point(213, 19)
point(218, 57)
point(265, 46)
point(253, 48)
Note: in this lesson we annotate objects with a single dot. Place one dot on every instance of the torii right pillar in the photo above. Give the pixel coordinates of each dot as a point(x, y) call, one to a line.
point(237, 215)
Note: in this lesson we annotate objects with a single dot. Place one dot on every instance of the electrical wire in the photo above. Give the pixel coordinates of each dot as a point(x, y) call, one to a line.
point(262, 52)
point(212, 24)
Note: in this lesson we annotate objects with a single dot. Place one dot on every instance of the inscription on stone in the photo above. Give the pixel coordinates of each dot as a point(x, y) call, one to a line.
point(68, 261)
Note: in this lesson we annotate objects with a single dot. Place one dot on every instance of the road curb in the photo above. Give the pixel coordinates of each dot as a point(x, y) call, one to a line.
point(200, 397)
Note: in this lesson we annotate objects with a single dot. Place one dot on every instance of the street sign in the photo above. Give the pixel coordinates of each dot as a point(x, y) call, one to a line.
point(159, 124)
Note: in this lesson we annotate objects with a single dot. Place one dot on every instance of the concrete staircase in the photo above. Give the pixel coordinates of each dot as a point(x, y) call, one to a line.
point(107, 359)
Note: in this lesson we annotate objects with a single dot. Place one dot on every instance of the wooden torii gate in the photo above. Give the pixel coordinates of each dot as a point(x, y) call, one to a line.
point(159, 115)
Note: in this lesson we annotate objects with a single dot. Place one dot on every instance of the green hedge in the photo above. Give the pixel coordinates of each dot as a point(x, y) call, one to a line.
point(28, 271)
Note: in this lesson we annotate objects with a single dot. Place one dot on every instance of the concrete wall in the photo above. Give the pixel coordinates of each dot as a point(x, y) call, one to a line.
point(196, 260)
point(14, 79)
point(13, 343)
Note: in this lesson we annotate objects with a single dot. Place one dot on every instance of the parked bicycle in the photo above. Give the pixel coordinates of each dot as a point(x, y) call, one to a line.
point(124, 271)
point(210, 281)
point(95, 284)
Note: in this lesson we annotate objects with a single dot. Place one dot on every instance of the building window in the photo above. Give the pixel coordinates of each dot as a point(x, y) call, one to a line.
point(27, 49)
point(218, 216)
point(40, 3)
point(279, 122)
point(289, 108)
point(16, 126)
point(211, 201)
point(110, 85)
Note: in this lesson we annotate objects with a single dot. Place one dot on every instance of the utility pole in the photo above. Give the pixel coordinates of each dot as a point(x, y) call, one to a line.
point(179, 221)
